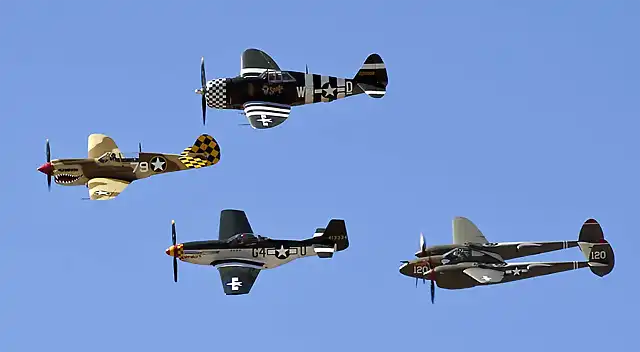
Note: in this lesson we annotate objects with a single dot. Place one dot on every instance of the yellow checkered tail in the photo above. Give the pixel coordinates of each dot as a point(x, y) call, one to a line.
point(204, 152)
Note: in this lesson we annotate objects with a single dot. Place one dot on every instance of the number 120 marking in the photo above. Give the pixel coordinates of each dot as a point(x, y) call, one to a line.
point(598, 255)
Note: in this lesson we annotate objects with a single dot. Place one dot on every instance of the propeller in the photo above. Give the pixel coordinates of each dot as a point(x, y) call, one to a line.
point(48, 161)
point(306, 69)
point(139, 147)
point(175, 251)
point(423, 251)
point(203, 90)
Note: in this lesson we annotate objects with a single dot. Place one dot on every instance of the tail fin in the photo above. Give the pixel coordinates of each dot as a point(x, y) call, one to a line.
point(595, 248)
point(204, 152)
point(331, 239)
point(372, 77)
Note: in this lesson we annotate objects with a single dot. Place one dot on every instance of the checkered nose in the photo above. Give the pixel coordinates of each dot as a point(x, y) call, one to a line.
point(46, 168)
point(174, 250)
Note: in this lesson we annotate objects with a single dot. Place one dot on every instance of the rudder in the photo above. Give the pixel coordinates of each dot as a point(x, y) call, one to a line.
point(372, 77)
point(331, 239)
point(595, 248)
point(205, 151)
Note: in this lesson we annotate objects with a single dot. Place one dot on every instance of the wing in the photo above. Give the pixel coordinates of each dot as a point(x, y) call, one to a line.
point(237, 280)
point(254, 62)
point(485, 276)
point(233, 222)
point(465, 231)
point(520, 271)
point(100, 144)
point(105, 188)
point(264, 115)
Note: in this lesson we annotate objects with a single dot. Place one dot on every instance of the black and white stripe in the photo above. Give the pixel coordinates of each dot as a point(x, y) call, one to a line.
point(263, 115)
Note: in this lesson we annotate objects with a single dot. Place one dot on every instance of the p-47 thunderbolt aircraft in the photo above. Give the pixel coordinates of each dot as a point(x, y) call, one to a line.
point(239, 254)
point(472, 261)
point(107, 172)
point(266, 93)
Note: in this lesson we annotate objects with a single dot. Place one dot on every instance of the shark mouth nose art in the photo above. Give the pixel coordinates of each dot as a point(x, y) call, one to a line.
point(66, 178)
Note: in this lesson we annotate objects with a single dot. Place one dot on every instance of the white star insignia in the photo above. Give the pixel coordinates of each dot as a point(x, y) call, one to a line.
point(486, 278)
point(158, 164)
point(516, 271)
point(282, 252)
point(329, 90)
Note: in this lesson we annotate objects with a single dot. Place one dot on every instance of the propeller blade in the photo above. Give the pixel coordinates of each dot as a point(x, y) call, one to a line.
point(433, 292)
point(203, 82)
point(423, 244)
point(175, 251)
point(203, 76)
point(48, 160)
point(175, 269)
point(139, 147)
point(173, 232)
point(48, 152)
point(306, 69)
point(416, 282)
point(204, 109)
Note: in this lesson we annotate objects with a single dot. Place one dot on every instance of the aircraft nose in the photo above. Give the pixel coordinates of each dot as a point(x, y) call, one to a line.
point(46, 168)
point(170, 251)
point(405, 269)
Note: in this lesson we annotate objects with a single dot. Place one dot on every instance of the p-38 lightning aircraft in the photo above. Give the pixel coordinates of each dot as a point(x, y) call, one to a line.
point(472, 261)
point(239, 254)
point(107, 172)
point(266, 93)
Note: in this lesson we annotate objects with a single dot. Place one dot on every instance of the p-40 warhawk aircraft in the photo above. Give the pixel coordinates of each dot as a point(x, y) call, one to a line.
point(266, 93)
point(472, 261)
point(239, 254)
point(107, 172)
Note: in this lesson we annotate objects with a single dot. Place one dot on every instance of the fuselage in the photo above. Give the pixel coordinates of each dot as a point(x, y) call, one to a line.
point(77, 172)
point(454, 257)
point(282, 87)
point(264, 254)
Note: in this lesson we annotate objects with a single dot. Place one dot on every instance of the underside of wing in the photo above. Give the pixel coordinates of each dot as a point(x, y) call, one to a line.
point(100, 144)
point(264, 115)
point(237, 280)
point(233, 222)
point(464, 231)
point(254, 62)
point(484, 276)
point(105, 188)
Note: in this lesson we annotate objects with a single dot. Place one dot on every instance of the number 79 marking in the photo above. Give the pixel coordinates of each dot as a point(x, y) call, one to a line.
point(143, 166)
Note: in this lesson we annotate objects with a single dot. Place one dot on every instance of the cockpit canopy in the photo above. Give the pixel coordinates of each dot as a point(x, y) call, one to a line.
point(457, 255)
point(245, 238)
point(118, 157)
point(276, 76)
point(466, 254)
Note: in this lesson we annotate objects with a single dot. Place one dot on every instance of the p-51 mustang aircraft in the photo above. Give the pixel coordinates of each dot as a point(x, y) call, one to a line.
point(266, 93)
point(107, 172)
point(472, 261)
point(239, 254)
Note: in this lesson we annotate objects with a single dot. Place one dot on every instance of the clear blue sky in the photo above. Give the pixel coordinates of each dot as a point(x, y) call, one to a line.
point(522, 116)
